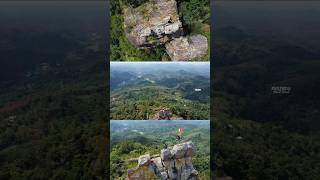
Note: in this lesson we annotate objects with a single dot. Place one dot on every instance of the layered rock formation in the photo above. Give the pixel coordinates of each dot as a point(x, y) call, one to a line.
point(157, 23)
point(173, 163)
point(152, 23)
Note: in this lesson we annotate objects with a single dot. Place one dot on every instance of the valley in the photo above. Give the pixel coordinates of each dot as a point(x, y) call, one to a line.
point(142, 95)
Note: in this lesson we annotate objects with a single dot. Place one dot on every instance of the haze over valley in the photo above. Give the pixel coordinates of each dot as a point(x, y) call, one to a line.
point(142, 90)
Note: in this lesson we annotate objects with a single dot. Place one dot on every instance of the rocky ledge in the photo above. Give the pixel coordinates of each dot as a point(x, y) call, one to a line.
point(157, 23)
point(152, 23)
point(173, 163)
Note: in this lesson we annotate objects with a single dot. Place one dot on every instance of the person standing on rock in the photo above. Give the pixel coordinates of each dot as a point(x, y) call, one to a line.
point(179, 134)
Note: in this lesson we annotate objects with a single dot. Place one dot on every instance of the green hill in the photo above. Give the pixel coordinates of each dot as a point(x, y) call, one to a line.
point(144, 93)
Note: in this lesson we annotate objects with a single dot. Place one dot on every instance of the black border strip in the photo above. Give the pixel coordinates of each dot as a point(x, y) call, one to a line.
point(211, 84)
point(107, 38)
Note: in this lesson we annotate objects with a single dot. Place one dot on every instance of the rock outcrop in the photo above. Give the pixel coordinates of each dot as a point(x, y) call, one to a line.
point(157, 23)
point(164, 114)
point(152, 23)
point(173, 163)
point(186, 48)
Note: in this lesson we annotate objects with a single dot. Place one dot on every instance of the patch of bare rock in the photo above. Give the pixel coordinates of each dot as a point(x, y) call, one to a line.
point(157, 23)
point(183, 48)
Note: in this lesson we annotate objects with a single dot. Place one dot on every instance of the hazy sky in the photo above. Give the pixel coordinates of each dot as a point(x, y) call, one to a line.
point(74, 16)
point(287, 19)
point(197, 67)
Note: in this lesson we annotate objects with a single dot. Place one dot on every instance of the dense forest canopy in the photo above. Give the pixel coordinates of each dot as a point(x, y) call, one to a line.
point(52, 90)
point(260, 134)
point(140, 90)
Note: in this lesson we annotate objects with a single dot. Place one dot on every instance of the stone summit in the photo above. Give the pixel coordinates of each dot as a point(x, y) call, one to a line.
point(173, 163)
point(157, 23)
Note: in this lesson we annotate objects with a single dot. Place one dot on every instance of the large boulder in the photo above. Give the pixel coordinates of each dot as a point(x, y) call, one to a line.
point(182, 150)
point(144, 160)
point(152, 23)
point(187, 48)
point(164, 113)
point(158, 163)
point(165, 154)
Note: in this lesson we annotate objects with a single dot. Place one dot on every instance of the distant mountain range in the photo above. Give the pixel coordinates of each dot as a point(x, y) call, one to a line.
point(130, 129)
point(141, 92)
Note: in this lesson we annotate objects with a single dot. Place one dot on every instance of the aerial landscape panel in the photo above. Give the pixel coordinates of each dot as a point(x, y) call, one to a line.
point(160, 90)
point(142, 149)
point(160, 30)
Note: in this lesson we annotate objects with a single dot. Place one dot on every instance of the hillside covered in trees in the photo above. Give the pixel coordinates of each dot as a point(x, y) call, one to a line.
point(52, 91)
point(260, 132)
point(143, 90)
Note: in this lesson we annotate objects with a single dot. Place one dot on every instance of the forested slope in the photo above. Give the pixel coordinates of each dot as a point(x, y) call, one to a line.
point(259, 133)
point(53, 111)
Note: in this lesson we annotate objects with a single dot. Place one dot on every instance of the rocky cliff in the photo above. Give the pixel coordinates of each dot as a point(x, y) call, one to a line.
point(152, 23)
point(157, 23)
point(173, 163)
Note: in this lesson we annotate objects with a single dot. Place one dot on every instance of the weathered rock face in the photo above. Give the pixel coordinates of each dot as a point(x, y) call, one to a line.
point(165, 154)
point(173, 163)
point(164, 113)
point(157, 23)
point(152, 23)
point(144, 160)
point(183, 49)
